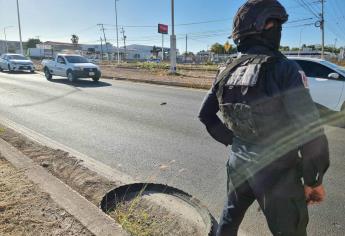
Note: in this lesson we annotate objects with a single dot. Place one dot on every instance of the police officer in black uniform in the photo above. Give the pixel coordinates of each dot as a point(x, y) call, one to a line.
point(279, 152)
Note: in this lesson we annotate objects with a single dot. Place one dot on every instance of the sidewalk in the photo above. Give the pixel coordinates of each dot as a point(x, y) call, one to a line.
point(26, 210)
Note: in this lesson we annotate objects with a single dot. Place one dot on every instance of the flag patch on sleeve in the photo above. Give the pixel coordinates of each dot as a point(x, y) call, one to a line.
point(304, 79)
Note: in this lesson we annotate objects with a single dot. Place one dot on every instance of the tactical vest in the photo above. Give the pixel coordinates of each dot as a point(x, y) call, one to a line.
point(247, 109)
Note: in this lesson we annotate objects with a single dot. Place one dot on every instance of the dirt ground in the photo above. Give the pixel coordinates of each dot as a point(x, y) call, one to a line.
point(201, 79)
point(63, 166)
point(25, 210)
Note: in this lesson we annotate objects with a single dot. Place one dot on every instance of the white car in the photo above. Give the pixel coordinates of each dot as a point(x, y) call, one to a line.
point(326, 82)
point(16, 62)
point(71, 66)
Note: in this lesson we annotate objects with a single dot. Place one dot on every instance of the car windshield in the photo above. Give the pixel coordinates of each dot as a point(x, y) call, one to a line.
point(76, 59)
point(333, 66)
point(17, 57)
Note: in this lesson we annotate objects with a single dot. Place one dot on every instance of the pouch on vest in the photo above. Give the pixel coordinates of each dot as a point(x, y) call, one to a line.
point(244, 74)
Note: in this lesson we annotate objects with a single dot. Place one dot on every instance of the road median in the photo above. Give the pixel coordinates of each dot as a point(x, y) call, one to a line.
point(188, 79)
point(26, 210)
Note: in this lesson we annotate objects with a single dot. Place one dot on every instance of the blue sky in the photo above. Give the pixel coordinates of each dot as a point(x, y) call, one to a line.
point(56, 20)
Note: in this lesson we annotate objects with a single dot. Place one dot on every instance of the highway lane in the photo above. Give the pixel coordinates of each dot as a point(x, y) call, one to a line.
point(138, 128)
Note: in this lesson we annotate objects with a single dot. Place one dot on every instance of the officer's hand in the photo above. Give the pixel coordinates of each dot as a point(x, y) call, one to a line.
point(314, 195)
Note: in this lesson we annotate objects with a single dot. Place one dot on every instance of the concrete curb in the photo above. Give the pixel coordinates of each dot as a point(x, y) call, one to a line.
point(84, 211)
point(166, 83)
point(88, 162)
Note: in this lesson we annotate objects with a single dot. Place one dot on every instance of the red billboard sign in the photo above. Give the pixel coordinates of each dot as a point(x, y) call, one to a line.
point(163, 29)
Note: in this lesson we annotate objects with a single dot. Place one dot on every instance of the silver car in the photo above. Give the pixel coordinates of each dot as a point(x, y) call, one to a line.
point(326, 82)
point(16, 62)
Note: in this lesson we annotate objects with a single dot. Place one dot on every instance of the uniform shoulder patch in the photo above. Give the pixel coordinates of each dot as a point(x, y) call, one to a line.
point(304, 79)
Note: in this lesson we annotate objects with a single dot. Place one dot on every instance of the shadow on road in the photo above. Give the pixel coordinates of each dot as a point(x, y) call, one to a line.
point(47, 100)
point(18, 72)
point(82, 83)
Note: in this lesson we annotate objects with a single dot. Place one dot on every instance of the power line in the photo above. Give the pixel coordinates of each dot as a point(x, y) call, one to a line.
point(321, 18)
point(307, 7)
point(124, 37)
point(300, 20)
point(338, 15)
point(105, 38)
point(182, 24)
point(298, 26)
point(77, 32)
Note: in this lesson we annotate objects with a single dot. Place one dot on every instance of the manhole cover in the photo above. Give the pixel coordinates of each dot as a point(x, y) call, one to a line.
point(155, 209)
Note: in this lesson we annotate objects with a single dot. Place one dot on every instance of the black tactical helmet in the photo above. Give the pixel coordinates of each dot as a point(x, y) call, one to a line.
point(252, 17)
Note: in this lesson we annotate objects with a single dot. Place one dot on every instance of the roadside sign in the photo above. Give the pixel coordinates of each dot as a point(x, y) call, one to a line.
point(44, 46)
point(163, 29)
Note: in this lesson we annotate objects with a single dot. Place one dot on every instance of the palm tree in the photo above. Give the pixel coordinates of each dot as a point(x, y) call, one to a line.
point(75, 40)
point(227, 47)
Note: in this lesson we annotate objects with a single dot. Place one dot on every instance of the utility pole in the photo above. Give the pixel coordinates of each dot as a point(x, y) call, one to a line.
point(186, 48)
point(162, 47)
point(322, 26)
point(173, 41)
point(20, 29)
point(335, 45)
point(41, 54)
point(101, 49)
point(105, 39)
point(117, 34)
point(124, 41)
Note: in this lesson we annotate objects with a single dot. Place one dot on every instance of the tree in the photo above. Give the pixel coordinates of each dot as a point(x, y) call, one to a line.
point(227, 47)
point(75, 40)
point(295, 49)
point(313, 47)
point(31, 43)
point(189, 54)
point(155, 51)
point(217, 48)
point(284, 48)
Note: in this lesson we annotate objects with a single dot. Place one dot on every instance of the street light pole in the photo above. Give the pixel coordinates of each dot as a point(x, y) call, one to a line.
point(173, 41)
point(6, 45)
point(20, 29)
point(335, 45)
point(117, 34)
point(300, 42)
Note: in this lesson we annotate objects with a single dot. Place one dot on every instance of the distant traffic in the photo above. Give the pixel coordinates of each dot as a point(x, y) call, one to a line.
point(16, 62)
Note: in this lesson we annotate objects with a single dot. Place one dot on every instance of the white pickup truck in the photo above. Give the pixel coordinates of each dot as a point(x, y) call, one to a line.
point(72, 67)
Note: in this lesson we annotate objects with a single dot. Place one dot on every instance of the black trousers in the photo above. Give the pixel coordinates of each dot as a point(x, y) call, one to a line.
point(280, 195)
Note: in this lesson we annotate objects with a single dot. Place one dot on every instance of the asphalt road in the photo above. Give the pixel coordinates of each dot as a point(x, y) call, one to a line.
point(142, 129)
